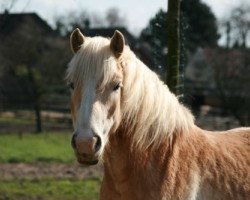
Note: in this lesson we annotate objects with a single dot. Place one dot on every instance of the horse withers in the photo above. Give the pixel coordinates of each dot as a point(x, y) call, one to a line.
point(125, 117)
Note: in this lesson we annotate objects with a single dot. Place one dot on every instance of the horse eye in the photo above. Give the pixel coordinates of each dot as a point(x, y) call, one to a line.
point(71, 85)
point(117, 87)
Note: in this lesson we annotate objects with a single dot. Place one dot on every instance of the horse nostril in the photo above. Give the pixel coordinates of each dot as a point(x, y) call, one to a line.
point(98, 143)
point(73, 141)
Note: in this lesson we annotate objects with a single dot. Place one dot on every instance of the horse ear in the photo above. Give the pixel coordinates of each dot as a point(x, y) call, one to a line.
point(76, 40)
point(117, 44)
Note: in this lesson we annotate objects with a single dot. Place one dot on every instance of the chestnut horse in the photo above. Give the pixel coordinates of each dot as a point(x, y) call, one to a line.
point(151, 149)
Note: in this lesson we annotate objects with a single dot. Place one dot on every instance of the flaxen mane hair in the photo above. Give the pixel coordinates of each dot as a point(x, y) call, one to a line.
point(150, 110)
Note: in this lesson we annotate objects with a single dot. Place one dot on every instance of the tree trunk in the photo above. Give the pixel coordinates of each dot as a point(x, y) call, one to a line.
point(36, 99)
point(38, 117)
point(173, 57)
point(228, 32)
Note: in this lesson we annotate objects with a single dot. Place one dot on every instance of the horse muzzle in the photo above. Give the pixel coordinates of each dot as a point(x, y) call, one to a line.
point(86, 149)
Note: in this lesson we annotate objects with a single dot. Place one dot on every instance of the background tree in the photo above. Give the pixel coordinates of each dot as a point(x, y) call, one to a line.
point(238, 26)
point(198, 28)
point(232, 81)
point(31, 64)
point(232, 66)
point(173, 39)
point(114, 18)
point(156, 35)
point(199, 25)
point(84, 20)
point(69, 21)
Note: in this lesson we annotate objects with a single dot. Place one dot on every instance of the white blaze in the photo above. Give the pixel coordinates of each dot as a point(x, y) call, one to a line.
point(85, 110)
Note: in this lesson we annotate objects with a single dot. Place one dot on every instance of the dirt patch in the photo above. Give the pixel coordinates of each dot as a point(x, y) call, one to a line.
point(45, 170)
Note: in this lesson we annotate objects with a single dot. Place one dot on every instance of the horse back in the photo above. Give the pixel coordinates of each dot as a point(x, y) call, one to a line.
point(225, 165)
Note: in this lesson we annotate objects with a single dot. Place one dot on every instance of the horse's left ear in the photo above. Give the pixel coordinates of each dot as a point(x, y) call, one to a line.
point(117, 44)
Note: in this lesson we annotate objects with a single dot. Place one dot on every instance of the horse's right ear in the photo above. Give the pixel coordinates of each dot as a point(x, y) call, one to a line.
point(76, 40)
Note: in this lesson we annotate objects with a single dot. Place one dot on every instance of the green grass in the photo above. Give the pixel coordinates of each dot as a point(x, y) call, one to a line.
point(31, 148)
point(47, 189)
point(45, 147)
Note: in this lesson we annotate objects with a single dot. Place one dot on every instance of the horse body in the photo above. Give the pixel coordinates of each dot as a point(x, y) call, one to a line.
point(200, 165)
point(150, 146)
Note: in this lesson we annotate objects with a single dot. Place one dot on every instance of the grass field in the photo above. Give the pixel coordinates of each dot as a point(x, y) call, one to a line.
point(45, 147)
point(49, 189)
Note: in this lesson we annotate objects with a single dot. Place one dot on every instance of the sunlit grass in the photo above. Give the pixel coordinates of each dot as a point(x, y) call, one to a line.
point(49, 189)
point(45, 147)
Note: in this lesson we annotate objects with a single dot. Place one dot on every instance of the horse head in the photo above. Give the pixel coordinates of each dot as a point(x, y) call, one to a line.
point(96, 79)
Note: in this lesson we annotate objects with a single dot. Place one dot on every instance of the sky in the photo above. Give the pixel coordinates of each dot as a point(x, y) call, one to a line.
point(137, 12)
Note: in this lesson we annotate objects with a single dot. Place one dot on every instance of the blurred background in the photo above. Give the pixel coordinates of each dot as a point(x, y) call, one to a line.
point(36, 160)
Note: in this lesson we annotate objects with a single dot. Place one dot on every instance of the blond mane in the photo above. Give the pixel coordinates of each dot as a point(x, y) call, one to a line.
point(151, 113)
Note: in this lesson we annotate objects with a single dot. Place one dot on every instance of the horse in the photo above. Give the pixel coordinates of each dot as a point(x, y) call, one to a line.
point(126, 118)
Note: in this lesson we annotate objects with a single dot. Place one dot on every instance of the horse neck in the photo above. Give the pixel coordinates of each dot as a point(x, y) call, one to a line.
point(127, 167)
point(124, 164)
